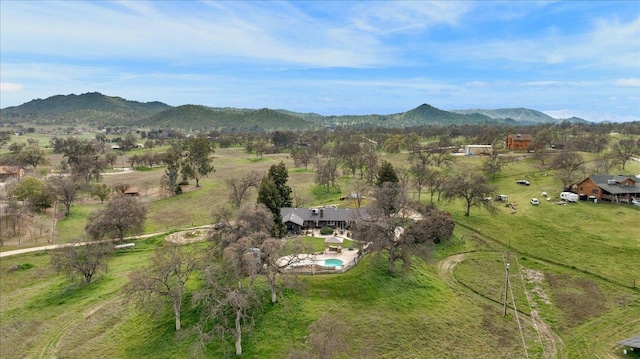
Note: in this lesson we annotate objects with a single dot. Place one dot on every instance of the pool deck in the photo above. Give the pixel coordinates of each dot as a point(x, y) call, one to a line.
point(348, 257)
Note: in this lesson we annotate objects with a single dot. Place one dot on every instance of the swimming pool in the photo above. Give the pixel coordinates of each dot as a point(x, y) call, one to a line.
point(333, 262)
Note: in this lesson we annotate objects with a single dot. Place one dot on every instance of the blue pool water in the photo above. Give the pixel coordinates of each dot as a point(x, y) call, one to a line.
point(333, 262)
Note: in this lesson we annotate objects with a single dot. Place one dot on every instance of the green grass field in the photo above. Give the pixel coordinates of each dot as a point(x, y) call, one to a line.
point(572, 273)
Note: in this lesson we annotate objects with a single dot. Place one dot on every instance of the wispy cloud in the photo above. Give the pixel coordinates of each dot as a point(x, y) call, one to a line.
point(628, 82)
point(10, 87)
point(326, 57)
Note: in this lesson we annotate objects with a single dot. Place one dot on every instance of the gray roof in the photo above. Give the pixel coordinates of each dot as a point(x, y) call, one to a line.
point(603, 182)
point(631, 342)
point(297, 215)
point(292, 217)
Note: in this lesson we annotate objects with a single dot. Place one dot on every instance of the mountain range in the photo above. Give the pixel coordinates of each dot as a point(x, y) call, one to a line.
point(100, 110)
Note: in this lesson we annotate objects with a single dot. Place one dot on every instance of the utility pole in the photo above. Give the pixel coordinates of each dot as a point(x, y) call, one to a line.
point(506, 284)
point(53, 222)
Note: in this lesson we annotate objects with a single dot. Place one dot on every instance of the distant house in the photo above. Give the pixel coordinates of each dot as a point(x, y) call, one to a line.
point(11, 172)
point(297, 219)
point(518, 141)
point(478, 150)
point(610, 188)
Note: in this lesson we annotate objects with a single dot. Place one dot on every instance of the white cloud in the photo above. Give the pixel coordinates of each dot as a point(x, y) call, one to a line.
point(10, 87)
point(628, 82)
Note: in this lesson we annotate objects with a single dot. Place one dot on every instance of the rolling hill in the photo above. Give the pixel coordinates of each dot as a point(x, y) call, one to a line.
point(195, 117)
point(97, 109)
point(88, 108)
point(519, 115)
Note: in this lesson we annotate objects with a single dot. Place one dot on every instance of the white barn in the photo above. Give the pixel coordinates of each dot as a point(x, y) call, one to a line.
point(478, 150)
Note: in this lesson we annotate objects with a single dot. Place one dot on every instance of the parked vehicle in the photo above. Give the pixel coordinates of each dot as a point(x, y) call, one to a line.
point(523, 182)
point(635, 202)
point(569, 196)
point(534, 201)
point(502, 198)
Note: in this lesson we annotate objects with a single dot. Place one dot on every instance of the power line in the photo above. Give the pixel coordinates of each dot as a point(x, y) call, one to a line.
point(533, 317)
point(515, 309)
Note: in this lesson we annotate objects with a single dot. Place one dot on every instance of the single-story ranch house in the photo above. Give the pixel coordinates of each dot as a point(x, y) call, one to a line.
point(297, 219)
point(611, 188)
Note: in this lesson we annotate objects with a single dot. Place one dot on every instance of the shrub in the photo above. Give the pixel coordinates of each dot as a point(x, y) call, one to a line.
point(326, 231)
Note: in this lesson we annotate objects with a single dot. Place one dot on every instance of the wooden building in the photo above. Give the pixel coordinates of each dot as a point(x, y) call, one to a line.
point(615, 189)
point(519, 141)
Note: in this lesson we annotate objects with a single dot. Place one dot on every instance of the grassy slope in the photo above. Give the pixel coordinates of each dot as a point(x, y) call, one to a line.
point(415, 315)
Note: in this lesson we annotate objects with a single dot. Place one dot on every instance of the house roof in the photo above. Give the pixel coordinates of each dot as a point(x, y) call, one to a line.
point(631, 342)
point(292, 217)
point(299, 215)
point(602, 181)
point(132, 190)
point(334, 240)
point(521, 137)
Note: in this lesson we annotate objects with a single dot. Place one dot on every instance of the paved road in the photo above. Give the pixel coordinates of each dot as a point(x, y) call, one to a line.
point(54, 246)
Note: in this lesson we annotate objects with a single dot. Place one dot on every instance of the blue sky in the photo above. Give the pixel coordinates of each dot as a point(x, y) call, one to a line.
point(330, 57)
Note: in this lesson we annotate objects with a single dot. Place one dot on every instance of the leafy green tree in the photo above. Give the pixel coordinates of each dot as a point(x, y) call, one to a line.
point(34, 191)
point(280, 176)
point(172, 160)
point(5, 137)
point(275, 194)
point(128, 142)
point(198, 162)
point(33, 155)
point(16, 147)
point(472, 188)
point(110, 158)
point(269, 195)
point(386, 174)
point(100, 190)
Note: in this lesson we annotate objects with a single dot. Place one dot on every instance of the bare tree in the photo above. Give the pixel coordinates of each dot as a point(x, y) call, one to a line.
point(494, 163)
point(420, 174)
point(382, 225)
point(165, 278)
point(122, 214)
point(326, 172)
point(568, 165)
point(82, 260)
point(436, 179)
point(66, 189)
point(472, 188)
point(302, 157)
point(226, 303)
point(240, 187)
point(358, 188)
point(327, 339)
point(299, 198)
point(624, 150)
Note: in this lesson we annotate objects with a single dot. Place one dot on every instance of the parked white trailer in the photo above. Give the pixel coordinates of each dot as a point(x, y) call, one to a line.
point(569, 196)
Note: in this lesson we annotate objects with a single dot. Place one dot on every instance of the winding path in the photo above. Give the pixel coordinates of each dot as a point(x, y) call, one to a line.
point(56, 246)
point(552, 341)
